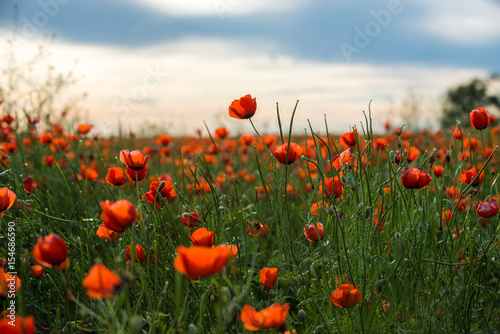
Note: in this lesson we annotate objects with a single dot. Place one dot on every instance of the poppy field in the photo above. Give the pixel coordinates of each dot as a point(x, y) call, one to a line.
point(310, 232)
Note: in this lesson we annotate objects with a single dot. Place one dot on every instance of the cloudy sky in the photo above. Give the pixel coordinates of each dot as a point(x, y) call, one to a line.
point(179, 63)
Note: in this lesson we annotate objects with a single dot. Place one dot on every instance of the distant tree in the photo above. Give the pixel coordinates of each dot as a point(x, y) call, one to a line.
point(462, 99)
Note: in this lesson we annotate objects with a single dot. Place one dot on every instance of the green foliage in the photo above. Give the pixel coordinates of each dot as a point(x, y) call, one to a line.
point(460, 100)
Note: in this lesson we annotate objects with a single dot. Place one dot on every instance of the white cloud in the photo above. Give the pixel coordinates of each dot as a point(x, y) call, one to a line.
point(463, 22)
point(204, 76)
point(218, 7)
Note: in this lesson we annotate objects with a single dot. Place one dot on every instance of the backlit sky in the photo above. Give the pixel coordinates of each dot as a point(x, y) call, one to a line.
point(177, 63)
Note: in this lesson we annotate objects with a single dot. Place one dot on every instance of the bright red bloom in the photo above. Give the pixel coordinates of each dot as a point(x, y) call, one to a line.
point(118, 216)
point(341, 159)
point(140, 255)
point(243, 108)
point(287, 155)
point(134, 160)
point(346, 296)
point(348, 139)
point(415, 178)
point(163, 140)
point(7, 199)
point(50, 251)
point(6, 281)
point(487, 209)
point(84, 128)
point(479, 118)
point(137, 175)
point(37, 270)
point(28, 184)
point(21, 325)
point(59, 144)
point(332, 187)
point(199, 261)
point(116, 176)
point(221, 132)
point(101, 282)
point(268, 277)
point(202, 237)
point(105, 233)
point(271, 317)
point(314, 232)
point(191, 219)
point(467, 176)
point(438, 171)
point(257, 229)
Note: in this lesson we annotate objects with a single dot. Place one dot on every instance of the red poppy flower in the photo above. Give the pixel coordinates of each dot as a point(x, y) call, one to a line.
point(20, 325)
point(287, 155)
point(346, 296)
point(84, 128)
point(332, 187)
point(59, 144)
point(467, 176)
point(191, 219)
point(199, 261)
point(6, 281)
point(487, 209)
point(415, 178)
point(348, 139)
point(257, 229)
point(28, 184)
point(479, 118)
point(221, 132)
point(243, 108)
point(438, 171)
point(101, 282)
point(116, 176)
point(50, 251)
point(268, 277)
point(446, 216)
point(37, 270)
point(140, 255)
point(341, 159)
point(163, 140)
point(314, 232)
point(118, 216)
point(7, 199)
point(271, 317)
point(202, 237)
point(105, 233)
point(137, 175)
point(134, 160)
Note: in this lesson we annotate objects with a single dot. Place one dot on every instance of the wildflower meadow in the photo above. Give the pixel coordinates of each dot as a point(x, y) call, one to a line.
point(302, 231)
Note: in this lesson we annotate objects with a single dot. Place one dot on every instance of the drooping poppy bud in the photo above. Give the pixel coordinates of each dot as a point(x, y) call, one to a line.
point(415, 178)
point(50, 251)
point(243, 108)
point(287, 155)
point(268, 277)
point(479, 118)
